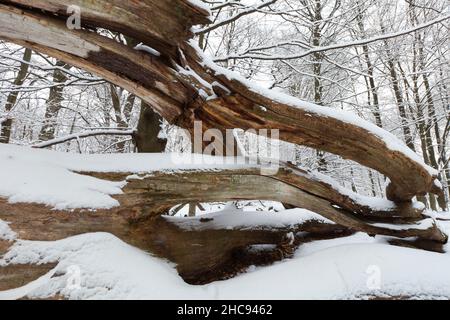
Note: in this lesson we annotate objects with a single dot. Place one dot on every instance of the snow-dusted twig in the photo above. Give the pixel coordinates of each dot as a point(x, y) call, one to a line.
point(331, 47)
point(245, 12)
point(84, 134)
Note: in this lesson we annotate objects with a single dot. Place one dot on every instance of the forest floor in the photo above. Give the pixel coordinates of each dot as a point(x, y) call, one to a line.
point(101, 266)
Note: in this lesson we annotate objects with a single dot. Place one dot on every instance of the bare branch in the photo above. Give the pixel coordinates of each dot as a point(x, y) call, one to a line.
point(241, 14)
point(331, 47)
point(85, 134)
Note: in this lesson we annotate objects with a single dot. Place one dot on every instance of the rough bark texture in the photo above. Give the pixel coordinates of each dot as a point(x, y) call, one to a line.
point(218, 254)
point(166, 83)
point(161, 24)
point(222, 253)
point(154, 194)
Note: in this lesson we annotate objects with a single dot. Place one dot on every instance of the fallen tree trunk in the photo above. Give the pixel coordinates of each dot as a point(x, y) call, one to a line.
point(181, 87)
point(147, 195)
point(201, 256)
point(162, 25)
point(204, 254)
point(150, 195)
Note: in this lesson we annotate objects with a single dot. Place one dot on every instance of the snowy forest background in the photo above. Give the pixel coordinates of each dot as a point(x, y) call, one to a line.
point(375, 58)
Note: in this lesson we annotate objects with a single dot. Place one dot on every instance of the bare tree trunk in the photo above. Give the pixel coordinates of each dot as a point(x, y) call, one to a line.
point(192, 209)
point(147, 137)
point(421, 127)
point(433, 125)
point(5, 134)
point(316, 18)
point(370, 71)
point(400, 101)
point(120, 121)
point(54, 103)
point(128, 108)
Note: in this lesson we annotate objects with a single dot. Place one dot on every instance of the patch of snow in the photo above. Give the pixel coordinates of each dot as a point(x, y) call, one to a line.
point(201, 5)
point(437, 184)
point(333, 269)
point(237, 219)
point(50, 178)
point(377, 204)
point(191, 73)
point(150, 50)
point(6, 233)
point(312, 247)
point(96, 266)
point(421, 225)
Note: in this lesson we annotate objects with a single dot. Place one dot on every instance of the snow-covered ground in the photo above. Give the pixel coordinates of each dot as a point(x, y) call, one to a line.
point(230, 218)
point(101, 266)
point(50, 178)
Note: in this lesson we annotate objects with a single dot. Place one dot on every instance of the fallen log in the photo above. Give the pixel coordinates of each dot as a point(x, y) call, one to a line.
point(200, 255)
point(138, 72)
point(151, 194)
point(158, 182)
point(219, 253)
point(182, 88)
point(162, 25)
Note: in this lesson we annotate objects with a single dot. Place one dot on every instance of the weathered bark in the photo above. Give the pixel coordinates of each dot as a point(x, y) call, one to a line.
point(137, 72)
point(152, 195)
point(155, 194)
point(6, 126)
point(218, 254)
point(160, 24)
point(158, 193)
point(174, 95)
point(221, 253)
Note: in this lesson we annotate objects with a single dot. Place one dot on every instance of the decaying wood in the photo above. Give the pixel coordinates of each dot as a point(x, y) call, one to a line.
point(136, 71)
point(174, 94)
point(160, 24)
point(153, 194)
point(166, 82)
point(149, 195)
point(201, 256)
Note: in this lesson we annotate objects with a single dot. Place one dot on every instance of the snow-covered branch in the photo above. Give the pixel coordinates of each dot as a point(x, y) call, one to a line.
point(261, 56)
point(84, 134)
point(235, 17)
